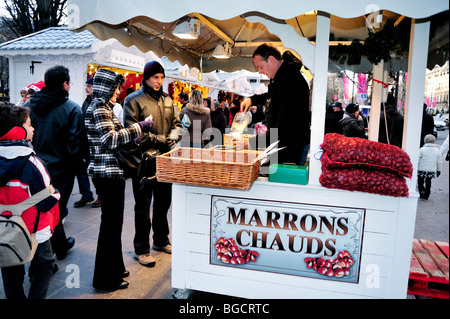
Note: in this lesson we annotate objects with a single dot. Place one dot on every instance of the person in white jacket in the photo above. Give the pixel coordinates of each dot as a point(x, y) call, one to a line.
point(430, 162)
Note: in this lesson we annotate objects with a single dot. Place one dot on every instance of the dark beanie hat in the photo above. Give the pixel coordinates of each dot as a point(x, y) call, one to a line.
point(337, 104)
point(351, 108)
point(152, 68)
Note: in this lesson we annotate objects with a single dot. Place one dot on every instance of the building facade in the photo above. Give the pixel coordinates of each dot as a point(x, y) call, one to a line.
point(436, 89)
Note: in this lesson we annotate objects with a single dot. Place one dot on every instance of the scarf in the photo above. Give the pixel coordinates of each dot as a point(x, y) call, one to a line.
point(155, 94)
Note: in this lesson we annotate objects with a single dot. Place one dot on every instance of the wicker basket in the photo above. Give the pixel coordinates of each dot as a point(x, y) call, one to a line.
point(208, 167)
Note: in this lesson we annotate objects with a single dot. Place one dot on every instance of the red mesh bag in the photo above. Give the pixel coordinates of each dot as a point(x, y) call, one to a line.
point(345, 152)
point(365, 180)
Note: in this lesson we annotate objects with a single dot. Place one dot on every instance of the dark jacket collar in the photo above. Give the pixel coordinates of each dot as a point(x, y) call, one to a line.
point(290, 65)
point(155, 94)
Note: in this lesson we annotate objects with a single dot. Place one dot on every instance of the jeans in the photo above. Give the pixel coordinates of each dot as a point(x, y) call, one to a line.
point(84, 184)
point(109, 265)
point(64, 184)
point(162, 199)
point(40, 272)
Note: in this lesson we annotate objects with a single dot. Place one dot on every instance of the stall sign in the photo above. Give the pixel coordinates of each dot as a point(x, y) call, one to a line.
point(125, 58)
point(314, 241)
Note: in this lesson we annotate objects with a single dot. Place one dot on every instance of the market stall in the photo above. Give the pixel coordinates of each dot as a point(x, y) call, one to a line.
point(278, 239)
point(82, 53)
point(182, 78)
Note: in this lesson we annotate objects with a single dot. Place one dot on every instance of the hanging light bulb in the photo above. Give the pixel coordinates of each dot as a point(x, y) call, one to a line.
point(200, 75)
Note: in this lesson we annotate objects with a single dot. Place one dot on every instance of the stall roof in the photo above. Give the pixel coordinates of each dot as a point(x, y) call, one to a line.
point(243, 24)
point(51, 38)
point(56, 39)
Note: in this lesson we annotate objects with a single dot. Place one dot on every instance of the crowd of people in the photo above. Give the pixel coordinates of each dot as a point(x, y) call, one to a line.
point(59, 141)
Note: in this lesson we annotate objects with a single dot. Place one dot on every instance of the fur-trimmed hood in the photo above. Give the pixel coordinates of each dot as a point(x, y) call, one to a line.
point(198, 109)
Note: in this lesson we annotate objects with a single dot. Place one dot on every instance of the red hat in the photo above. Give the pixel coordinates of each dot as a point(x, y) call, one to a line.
point(36, 86)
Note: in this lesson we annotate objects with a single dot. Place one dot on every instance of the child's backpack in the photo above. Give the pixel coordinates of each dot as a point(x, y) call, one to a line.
point(17, 245)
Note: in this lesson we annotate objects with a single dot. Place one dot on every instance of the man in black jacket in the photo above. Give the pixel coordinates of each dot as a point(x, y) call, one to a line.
point(286, 102)
point(58, 124)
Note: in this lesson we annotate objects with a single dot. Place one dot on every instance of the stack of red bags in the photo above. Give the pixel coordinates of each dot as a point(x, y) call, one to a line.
point(357, 164)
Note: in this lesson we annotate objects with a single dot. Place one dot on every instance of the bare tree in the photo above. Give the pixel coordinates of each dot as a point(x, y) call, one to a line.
point(28, 16)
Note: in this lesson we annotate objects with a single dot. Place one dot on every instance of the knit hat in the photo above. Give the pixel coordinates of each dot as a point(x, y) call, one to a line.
point(90, 81)
point(152, 68)
point(337, 104)
point(351, 108)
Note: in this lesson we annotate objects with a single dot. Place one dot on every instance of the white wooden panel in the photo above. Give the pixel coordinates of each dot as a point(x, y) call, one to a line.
point(380, 221)
point(198, 243)
point(198, 224)
point(377, 244)
point(198, 203)
point(305, 194)
point(370, 264)
point(224, 276)
point(178, 235)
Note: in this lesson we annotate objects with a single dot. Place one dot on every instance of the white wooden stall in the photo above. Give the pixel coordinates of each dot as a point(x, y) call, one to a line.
point(385, 254)
point(388, 228)
point(386, 239)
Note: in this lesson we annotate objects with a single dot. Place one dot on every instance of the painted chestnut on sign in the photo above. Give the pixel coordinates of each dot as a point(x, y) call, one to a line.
point(229, 252)
point(337, 267)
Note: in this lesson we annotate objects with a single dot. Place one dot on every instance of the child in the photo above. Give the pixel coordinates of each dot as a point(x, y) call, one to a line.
point(429, 165)
point(22, 174)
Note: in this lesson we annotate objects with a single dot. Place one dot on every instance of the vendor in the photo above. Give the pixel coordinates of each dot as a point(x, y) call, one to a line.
point(286, 102)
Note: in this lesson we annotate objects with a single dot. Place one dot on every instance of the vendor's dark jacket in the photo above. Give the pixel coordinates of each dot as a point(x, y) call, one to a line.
point(352, 127)
point(144, 102)
point(287, 108)
point(58, 124)
point(394, 121)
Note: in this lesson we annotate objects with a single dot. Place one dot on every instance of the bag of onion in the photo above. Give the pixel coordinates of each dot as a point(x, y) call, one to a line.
point(357, 164)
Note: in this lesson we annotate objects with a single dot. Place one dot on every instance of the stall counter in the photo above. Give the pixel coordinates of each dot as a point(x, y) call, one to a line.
point(296, 232)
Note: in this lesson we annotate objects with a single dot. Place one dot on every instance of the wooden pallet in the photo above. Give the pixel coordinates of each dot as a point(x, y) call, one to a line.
point(428, 275)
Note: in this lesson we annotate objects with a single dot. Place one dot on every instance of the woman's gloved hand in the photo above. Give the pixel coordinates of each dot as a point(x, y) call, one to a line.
point(146, 125)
